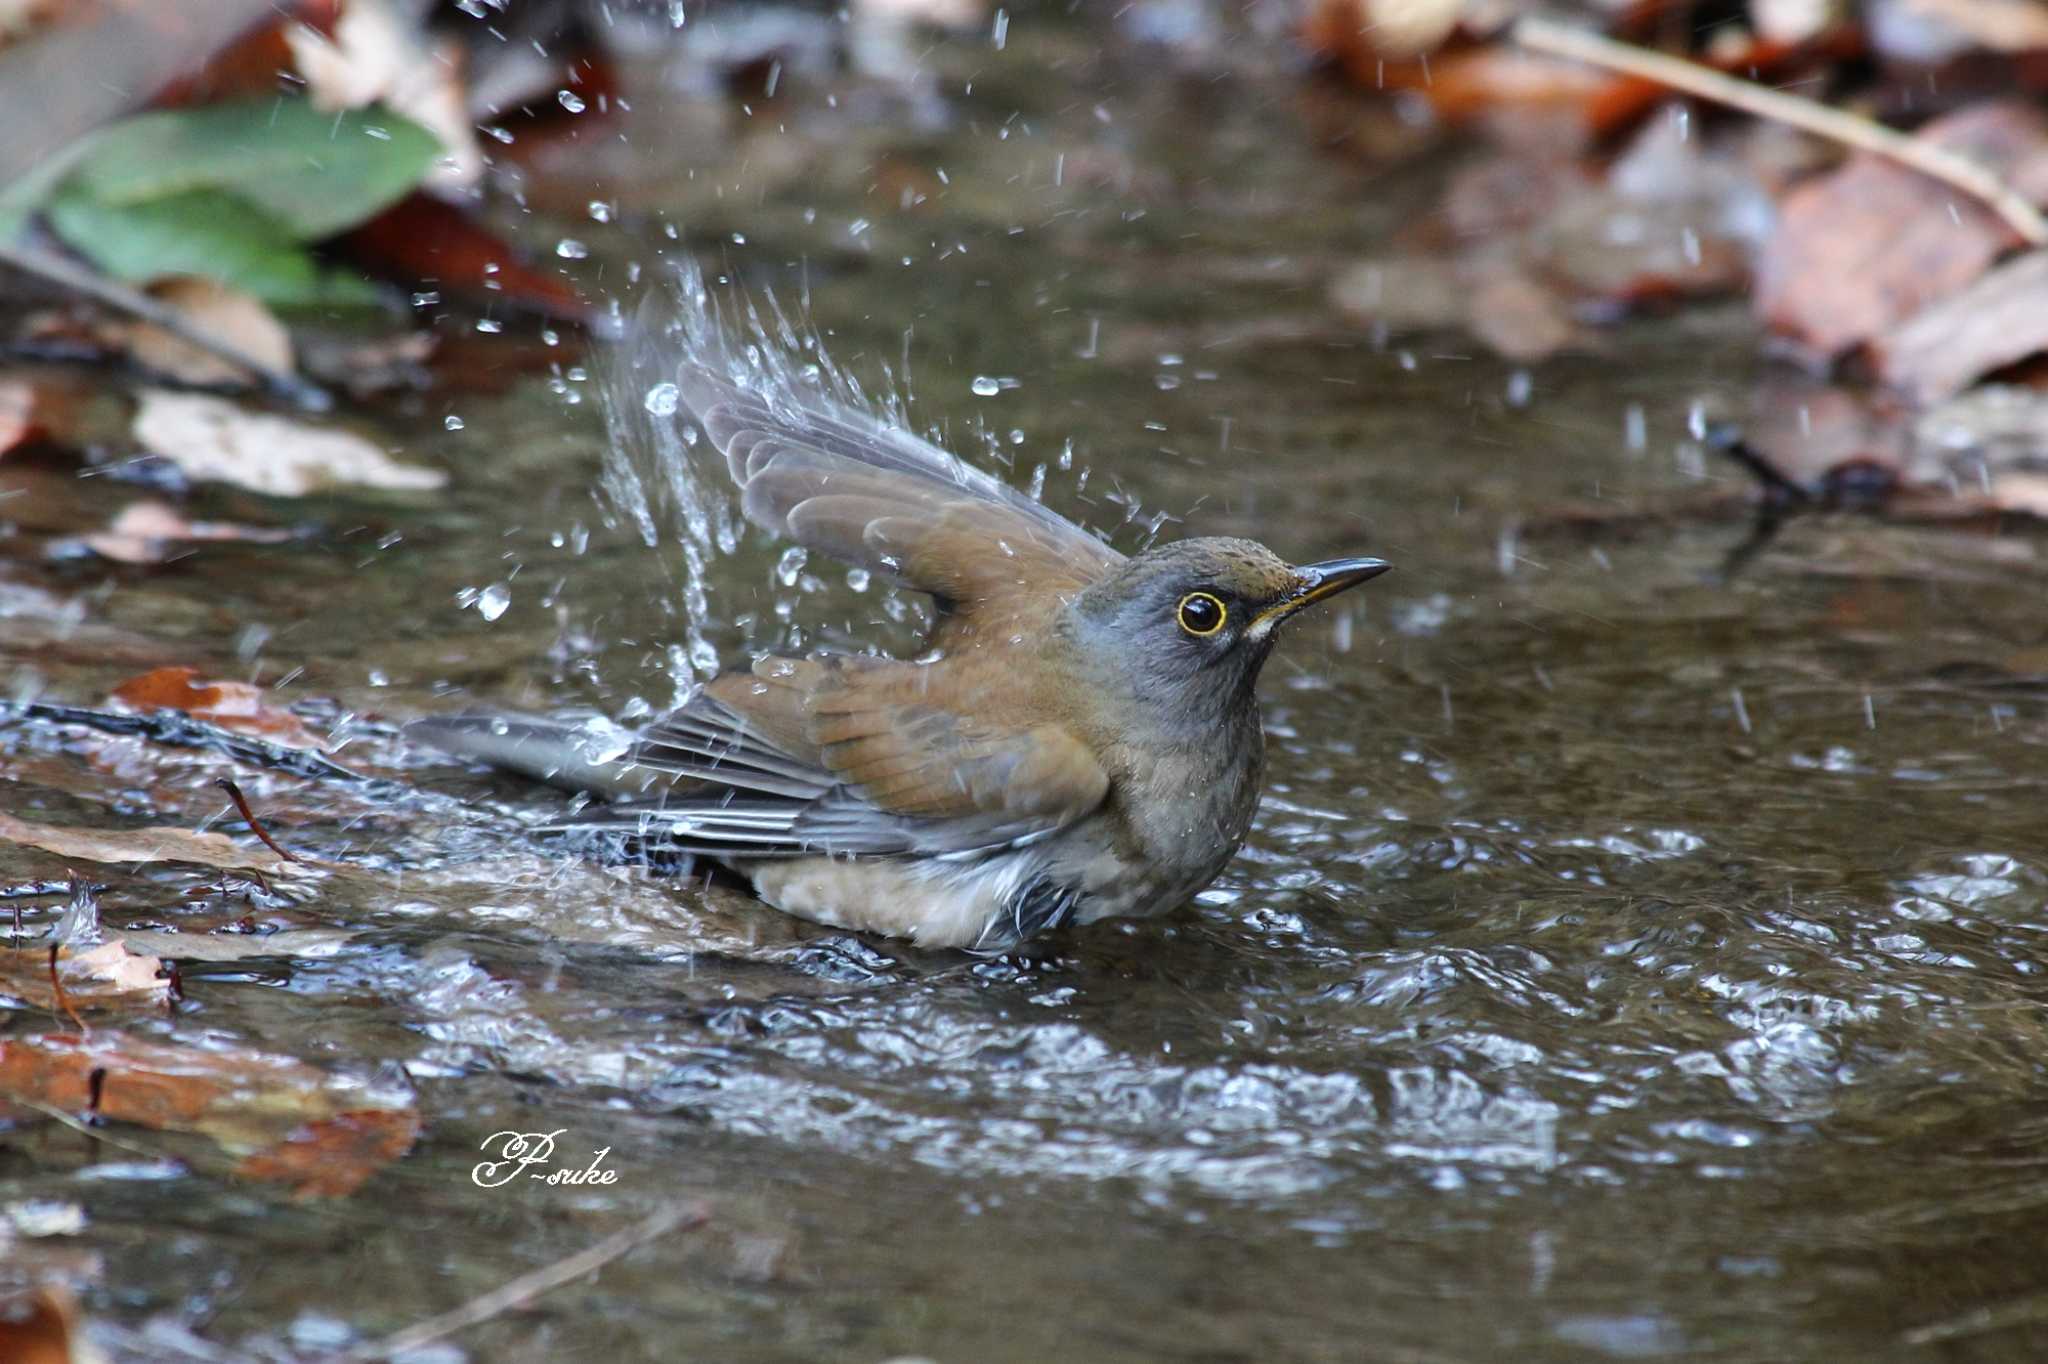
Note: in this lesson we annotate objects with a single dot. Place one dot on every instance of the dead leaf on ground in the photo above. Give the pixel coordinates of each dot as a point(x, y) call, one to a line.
point(151, 532)
point(42, 1328)
point(212, 438)
point(231, 705)
point(1862, 249)
point(218, 312)
point(1519, 318)
point(2001, 25)
point(377, 54)
point(1997, 321)
point(424, 240)
point(331, 1158)
point(156, 844)
point(319, 1134)
point(109, 976)
point(36, 407)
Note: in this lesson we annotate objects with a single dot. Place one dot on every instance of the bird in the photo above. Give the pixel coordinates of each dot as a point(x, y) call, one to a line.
point(1079, 741)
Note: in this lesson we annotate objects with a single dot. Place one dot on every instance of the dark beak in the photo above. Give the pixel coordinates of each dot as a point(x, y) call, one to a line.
point(1325, 579)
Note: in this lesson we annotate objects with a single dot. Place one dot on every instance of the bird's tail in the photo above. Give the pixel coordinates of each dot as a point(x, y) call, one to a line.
point(587, 757)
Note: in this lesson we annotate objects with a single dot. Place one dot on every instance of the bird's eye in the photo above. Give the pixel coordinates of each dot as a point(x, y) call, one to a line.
point(1201, 615)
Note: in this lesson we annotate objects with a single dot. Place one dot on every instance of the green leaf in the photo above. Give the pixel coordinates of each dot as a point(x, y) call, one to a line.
point(199, 232)
point(315, 173)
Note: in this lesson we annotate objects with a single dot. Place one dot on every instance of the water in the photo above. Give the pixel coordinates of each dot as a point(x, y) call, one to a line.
point(1630, 961)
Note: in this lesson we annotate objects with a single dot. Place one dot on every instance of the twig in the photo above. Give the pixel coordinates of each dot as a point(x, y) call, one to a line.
point(249, 816)
point(527, 1287)
point(1939, 163)
point(57, 989)
point(67, 274)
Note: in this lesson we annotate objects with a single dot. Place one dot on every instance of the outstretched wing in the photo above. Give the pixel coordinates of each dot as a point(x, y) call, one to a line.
point(848, 484)
point(845, 756)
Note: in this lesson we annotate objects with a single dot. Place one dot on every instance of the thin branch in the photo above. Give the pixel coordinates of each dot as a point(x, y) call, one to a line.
point(524, 1289)
point(1959, 172)
point(78, 279)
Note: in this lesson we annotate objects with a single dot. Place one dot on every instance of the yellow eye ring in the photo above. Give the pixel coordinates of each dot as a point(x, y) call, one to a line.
point(1201, 614)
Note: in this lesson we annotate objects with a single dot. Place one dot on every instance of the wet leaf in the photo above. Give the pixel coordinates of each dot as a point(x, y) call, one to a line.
point(42, 1328)
point(332, 1158)
point(111, 975)
point(220, 313)
point(1999, 320)
point(151, 533)
point(294, 1124)
point(311, 172)
point(425, 240)
point(201, 232)
point(155, 844)
point(231, 705)
point(1862, 249)
point(377, 54)
point(211, 438)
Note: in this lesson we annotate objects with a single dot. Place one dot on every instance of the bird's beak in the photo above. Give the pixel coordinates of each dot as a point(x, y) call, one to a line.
point(1317, 581)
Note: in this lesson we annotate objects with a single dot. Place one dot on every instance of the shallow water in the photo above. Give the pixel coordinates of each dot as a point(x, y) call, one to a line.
point(1630, 961)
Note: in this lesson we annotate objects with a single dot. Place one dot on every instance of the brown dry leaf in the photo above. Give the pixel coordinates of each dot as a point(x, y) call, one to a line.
point(231, 705)
point(282, 1114)
point(1862, 249)
point(2001, 25)
point(332, 1158)
point(220, 313)
point(377, 55)
point(105, 977)
point(2026, 493)
point(1999, 320)
point(150, 532)
point(211, 438)
point(1396, 29)
point(158, 844)
point(1518, 317)
point(42, 1328)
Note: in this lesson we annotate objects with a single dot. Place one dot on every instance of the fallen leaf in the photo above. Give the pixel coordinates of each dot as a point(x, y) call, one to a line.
point(17, 413)
point(1997, 321)
point(958, 14)
point(221, 314)
point(333, 1157)
point(1519, 318)
point(1397, 29)
point(155, 844)
point(150, 532)
point(42, 1328)
point(104, 977)
point(422, 240)
point(376, 55)
point(1990, 428)
point(2022, 492)
point(2001, 25)
point(211, 438)
point(231, 705)
point(1862, 249)
point(284, 1116)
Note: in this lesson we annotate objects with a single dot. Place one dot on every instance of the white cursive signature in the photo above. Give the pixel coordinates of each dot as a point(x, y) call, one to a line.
point(518, 1152)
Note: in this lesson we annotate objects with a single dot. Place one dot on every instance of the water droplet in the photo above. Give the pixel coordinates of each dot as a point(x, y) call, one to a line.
point(790, 565)
point(489, 326)
point(570, 249)
point(451, 422)
point(493, 601)
point(600, 211)
point(985, 387)
point(379, 678)
point(663, 399)
point(569, 100)
point(857, 579)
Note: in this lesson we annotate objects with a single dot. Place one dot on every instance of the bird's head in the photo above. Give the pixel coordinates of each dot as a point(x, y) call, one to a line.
point(1189, 624)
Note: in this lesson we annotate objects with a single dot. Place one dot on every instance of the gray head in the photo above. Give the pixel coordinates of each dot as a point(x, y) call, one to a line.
point(1187, 626)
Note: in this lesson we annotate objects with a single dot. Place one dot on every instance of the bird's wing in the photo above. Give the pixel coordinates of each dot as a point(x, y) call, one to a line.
point(878, 768)
point(848, 484)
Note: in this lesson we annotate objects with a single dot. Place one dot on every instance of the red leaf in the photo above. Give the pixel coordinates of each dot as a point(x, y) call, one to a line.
point(421, 240)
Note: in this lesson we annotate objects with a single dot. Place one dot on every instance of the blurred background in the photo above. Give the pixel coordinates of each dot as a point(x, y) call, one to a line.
point(1636, 954)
